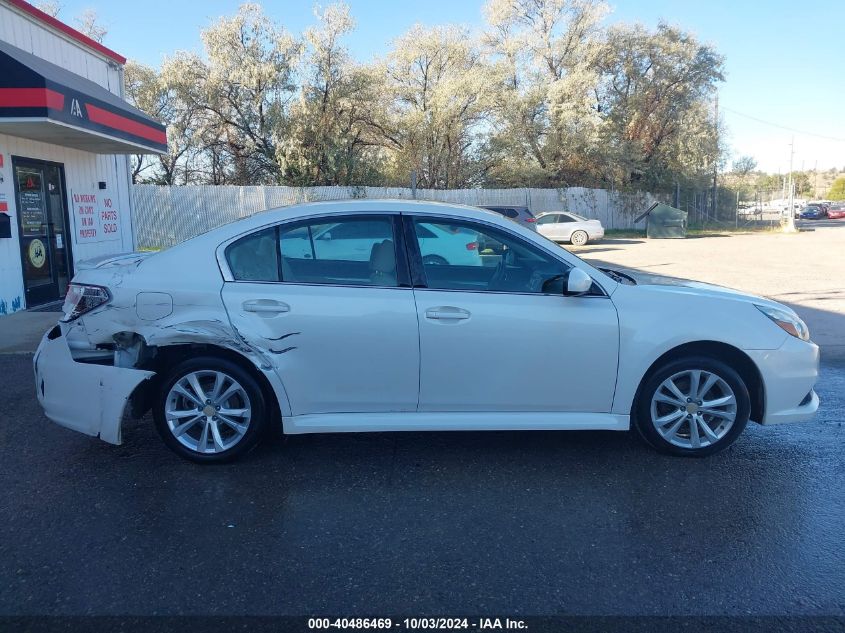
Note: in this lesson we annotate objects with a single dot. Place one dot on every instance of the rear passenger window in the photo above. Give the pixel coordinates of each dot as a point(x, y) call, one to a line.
point(344, 251)
point(255, 257)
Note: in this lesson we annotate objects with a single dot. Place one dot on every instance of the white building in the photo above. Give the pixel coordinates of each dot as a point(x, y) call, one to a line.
point(66, 134)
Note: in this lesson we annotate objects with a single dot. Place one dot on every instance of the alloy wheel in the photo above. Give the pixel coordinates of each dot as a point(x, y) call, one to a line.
point(693, 409)
point(207, 411)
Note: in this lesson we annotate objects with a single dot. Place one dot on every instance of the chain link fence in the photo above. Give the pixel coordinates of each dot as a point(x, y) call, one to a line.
point(166, 215)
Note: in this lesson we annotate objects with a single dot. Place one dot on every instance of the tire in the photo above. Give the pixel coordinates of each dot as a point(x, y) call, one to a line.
point(434, 260)
point(682, 420)
point(579, 238)
point(209, 436)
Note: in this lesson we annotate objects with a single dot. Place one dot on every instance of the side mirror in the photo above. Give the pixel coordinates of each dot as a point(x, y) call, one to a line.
point(578, 282)
point(575, 283)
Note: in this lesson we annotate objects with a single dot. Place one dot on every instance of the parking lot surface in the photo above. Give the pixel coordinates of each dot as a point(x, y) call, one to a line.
point(449, 523)
point(442, 523)
point(803, 269)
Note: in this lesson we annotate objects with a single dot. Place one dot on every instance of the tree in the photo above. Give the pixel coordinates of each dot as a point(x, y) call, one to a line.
point(744, 165)
point(655, 96)
point(548, 96)
point(153, 92)
point(327, 140)
point(50, 7)
point(434, 99)
point(241, 91)
point(546, 123)
point(88, 24)
point(837, 189)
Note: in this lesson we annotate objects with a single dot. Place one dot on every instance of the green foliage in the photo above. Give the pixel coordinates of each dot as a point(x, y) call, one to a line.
point(837, 190)
point(744, 165)
point(548, 96)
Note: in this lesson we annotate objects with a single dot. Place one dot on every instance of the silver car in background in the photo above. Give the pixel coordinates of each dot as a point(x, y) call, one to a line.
point(565, 226)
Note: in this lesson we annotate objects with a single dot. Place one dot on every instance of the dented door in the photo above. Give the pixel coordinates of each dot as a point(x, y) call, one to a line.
point(337, 349)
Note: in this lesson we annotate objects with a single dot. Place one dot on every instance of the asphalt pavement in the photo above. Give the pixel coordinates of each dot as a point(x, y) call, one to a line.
point(534, 523)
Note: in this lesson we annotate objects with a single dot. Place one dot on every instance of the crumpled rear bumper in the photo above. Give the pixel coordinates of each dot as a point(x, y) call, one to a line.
point(85, 397)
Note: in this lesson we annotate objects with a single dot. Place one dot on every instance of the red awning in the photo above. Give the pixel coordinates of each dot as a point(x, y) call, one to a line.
point(45, 102)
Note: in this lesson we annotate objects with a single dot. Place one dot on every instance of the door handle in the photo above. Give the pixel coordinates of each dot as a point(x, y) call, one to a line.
point(447, 313)
point(266, 306)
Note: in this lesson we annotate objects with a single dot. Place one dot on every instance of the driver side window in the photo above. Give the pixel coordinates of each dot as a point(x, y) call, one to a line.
point(467, 256)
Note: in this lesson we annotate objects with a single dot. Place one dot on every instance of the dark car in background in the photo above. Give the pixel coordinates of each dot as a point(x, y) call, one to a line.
point(813, 212)
point(520, 215)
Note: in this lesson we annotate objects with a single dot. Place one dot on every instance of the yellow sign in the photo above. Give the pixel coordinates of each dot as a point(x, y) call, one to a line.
point(37, 253)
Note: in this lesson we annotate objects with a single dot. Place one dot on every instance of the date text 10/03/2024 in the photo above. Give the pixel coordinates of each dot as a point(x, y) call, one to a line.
point(481, 624)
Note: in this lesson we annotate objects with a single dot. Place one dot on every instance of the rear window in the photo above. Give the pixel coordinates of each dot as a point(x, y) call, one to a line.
point(508, 213)
point(255, 257)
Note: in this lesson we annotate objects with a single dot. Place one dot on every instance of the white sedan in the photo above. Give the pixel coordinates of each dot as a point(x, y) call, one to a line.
point(564, 226)
point(234, 331)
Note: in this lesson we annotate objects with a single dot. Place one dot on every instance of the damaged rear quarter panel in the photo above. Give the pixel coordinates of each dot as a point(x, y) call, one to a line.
point(190, 275)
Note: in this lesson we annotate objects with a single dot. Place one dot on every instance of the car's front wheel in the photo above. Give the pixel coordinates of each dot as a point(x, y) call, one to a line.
point(579, 238)
point(434, 260)
point(694, 406)
point(209, 409)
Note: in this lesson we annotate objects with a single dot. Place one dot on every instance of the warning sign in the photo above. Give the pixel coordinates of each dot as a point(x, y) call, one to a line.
point(95, 217)
point(85, 217)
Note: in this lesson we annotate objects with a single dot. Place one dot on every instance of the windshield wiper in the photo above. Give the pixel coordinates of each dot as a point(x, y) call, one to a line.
point(622, 278)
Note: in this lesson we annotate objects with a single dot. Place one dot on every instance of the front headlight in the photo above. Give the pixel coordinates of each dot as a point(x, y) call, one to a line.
point(787, 321)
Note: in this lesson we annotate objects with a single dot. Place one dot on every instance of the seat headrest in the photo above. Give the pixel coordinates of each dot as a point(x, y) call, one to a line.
point(383, 257)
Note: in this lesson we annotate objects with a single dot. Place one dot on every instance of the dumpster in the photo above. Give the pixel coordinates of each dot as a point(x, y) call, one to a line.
point(663, 221)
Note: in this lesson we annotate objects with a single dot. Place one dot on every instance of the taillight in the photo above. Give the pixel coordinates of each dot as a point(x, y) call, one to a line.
point(472, 246)
point(82, 298)
point(531, 220)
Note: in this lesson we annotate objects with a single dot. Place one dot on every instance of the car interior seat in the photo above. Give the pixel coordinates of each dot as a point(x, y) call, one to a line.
point(383, 264)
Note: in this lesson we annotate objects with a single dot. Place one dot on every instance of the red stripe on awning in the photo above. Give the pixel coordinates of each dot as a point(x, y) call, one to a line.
point(125, 124)
point(31, 98)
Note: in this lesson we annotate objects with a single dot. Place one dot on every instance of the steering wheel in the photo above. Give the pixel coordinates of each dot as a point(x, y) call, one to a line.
point(500, 277)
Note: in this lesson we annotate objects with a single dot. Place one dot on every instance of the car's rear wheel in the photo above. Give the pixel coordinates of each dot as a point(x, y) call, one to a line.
point(694, 406)
point(434, 260)
point(579, 238)
point(209, 410)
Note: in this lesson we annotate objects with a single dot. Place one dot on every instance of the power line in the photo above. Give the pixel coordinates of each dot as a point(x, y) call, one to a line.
point(784, 127)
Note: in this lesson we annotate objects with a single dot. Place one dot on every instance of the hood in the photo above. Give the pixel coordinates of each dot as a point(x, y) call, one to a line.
point(111, 261)
point(683, 286)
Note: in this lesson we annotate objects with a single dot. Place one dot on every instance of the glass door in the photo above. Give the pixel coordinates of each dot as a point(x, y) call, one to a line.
point(42, 222)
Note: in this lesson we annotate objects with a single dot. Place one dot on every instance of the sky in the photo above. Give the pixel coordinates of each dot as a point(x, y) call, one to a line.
point(784, 59)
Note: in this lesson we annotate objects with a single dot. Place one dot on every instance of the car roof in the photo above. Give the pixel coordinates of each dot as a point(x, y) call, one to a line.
point(351, 206)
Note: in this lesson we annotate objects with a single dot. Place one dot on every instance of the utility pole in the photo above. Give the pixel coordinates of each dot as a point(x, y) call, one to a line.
point(816, 180)
point(790, 216)
point(716, 163)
